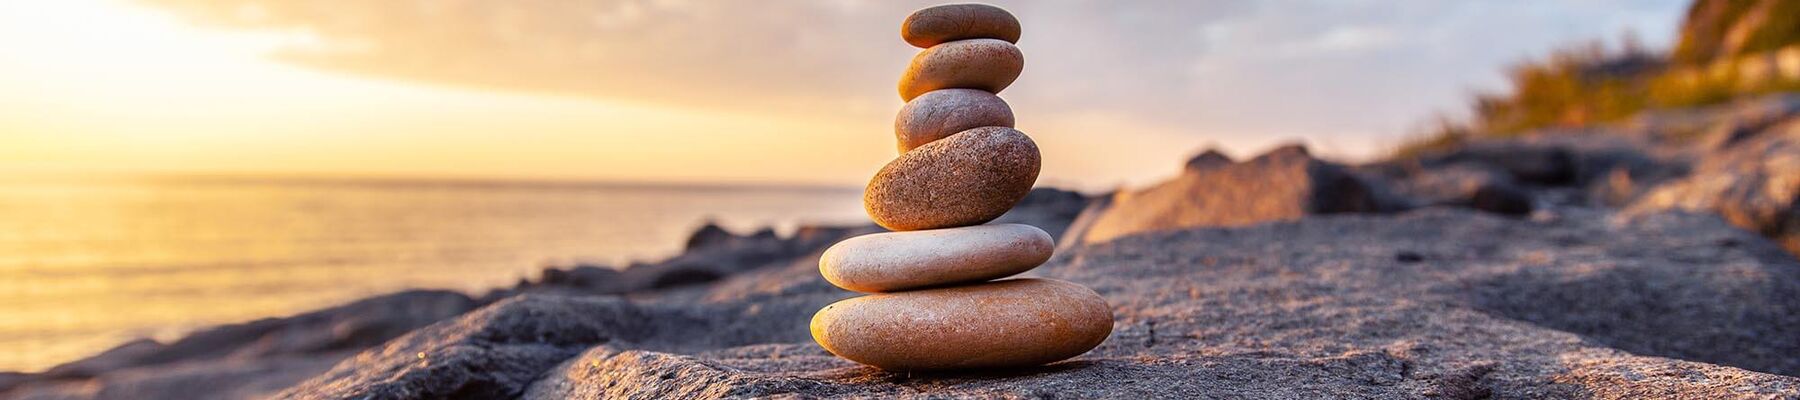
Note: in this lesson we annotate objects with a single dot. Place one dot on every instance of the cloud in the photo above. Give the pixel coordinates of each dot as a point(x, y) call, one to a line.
point(1239, 72)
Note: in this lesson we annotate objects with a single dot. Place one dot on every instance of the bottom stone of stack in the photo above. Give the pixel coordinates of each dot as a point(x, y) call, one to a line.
point(1009, 323)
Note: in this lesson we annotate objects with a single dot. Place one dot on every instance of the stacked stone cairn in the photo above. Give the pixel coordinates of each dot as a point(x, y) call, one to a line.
point(933, 303)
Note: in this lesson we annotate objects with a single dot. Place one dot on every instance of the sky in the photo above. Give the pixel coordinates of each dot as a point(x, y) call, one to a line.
point(790, 91)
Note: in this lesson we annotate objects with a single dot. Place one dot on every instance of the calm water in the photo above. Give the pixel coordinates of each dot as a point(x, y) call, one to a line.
point(88, 264)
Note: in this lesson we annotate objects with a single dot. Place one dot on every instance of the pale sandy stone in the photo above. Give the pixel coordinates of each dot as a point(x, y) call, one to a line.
point(895, 261)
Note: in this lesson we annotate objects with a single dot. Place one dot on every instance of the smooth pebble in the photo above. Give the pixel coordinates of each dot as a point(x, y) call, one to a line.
point(986, 64)
point(895, 261)
point(966, 179)
point(941, 113)
point(950, 22)
point(1010, 323)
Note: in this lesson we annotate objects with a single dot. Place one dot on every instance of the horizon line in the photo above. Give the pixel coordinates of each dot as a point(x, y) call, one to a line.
point(420, 180)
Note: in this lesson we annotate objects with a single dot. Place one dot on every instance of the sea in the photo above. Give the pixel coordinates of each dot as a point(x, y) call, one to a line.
point(89, 263)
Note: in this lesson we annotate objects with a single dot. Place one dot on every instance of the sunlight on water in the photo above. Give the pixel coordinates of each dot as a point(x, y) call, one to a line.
point(86, 265)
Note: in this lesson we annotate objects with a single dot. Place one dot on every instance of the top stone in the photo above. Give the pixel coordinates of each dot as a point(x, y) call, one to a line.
point(950, 22)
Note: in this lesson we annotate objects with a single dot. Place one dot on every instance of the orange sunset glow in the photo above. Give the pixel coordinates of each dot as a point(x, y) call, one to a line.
point(671, 90)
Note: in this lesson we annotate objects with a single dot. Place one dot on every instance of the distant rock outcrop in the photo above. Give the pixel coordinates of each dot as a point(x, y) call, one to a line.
point(712, 253)
point(1209, 159)
point(709, 235)
point(1515, 175)
point(1284, 184)
point(1751, 178)
point(1472, 185)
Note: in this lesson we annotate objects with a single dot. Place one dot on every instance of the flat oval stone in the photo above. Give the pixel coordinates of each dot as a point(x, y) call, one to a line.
point(985, 64)
point(966, 179)
point(895, 261)
point(950, 22)
point(1010, 323)
point(940, 113)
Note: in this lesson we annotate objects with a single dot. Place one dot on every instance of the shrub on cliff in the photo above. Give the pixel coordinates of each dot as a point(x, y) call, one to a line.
point(1728, 49)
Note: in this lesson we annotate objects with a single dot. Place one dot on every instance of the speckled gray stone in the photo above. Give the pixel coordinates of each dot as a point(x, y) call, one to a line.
point(966, 179)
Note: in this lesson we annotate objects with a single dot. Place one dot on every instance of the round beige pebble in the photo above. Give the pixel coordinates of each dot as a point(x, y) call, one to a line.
point(985, 64)
point(1010, 323)
point(940, 113)
point(895, 261)
point(966, 179)
point(950, 22)
point(1007, 323)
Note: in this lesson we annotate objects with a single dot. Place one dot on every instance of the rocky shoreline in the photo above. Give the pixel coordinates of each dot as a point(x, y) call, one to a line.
point(1642, 259)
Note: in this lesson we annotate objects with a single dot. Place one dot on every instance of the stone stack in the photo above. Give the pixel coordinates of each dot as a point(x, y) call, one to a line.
point(931, 304)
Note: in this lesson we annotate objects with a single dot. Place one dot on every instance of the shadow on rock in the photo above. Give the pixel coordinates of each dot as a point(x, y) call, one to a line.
point(1726, 314)
point(897, 377)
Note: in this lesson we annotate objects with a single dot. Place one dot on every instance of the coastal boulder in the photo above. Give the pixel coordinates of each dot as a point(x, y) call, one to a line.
point(966, 179)
point(352, 326)
point(1011, 323)
point(1284, 184)
point(494, 352)
point(1467, 185)
point(985, 64)
point(950, 22)
point(240, 361)
point(895, 261)
point(709, 235)
point(713, 253)
point(1533, 163)
point(1754, 184)
point(1209, 159)
point(1608, 167)
point(941, 113)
